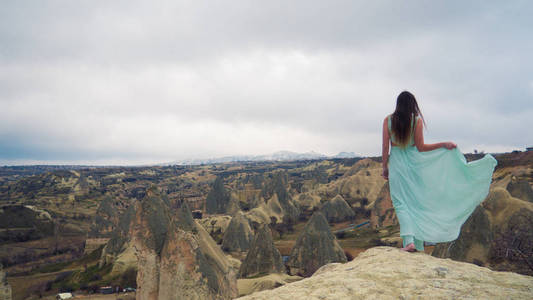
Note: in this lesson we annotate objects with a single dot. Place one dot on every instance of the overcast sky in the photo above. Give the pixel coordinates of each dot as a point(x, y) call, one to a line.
point(129, 82)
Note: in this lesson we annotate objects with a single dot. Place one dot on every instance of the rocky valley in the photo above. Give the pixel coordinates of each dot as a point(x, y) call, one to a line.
point(224, 230)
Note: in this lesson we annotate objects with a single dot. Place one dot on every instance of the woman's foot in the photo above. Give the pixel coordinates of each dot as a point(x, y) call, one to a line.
point(409, 248)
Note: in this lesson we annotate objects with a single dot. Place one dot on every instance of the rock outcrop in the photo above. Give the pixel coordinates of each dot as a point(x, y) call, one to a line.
point(233, 206)
point(359, 186)
point(315, 247)
point(118, 250)
point(389, 273)
point(308, 201)
point(498, 235)
point(337, 210)
point(249, 286)
point(5, 288)
point(277, 187)
point(177, 257)
point(238, 235)
point(218, 198)
point(216, 226)
point(249, 197)
point(106, 219)
point(520, 188)
point(266, 212)
point(263, 257)
point(516, 180)
point(382, 213)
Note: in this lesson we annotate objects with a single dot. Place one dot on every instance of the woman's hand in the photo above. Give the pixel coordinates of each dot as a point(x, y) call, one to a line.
point(449, 145)
point(385, 173)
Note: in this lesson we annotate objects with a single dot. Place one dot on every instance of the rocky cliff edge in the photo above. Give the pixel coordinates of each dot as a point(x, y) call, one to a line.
point(389, 273)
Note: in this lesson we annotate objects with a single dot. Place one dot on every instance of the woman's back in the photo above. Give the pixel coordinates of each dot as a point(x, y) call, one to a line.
point(393, 139)
point(433, 188)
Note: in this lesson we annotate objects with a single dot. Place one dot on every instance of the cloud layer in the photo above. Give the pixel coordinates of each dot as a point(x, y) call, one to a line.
point(141, 82)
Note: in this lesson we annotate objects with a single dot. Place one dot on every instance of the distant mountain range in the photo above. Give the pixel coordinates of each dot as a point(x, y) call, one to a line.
point(276, 156)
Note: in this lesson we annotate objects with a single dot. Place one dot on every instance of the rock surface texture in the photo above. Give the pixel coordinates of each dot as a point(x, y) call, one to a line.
point(315, 247)
point(177, 257)
point(5, 288)
point(238, 235)
point(389, 273)
point(337, 210)
point(268, 282)
point(263, 257)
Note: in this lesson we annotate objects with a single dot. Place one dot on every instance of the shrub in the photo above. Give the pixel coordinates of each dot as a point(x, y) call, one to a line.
point(349, 256)
point(129, 278)
point(340, 234)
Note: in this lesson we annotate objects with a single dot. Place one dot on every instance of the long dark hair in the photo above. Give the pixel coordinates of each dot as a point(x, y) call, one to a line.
point(403, 117)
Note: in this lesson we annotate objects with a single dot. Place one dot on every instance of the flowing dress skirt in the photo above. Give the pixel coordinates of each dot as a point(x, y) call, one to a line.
point(435, 192)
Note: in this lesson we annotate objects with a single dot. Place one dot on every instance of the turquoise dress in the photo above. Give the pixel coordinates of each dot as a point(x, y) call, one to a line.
point(435, 192)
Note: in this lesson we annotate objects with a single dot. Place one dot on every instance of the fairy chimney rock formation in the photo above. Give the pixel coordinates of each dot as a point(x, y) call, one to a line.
point(497, 235)
point(5, 288)
point(263, 257)
point(383, 214)
point(177, 257)
point(233, 206)
point(337, 210)
point(238, 235)
point(148, 234)
point(118, 243)
point(277, 187)
point(218, 198)
point(315, 247)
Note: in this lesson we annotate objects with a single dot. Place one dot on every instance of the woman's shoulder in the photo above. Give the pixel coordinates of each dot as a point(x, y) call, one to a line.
point(387, 120)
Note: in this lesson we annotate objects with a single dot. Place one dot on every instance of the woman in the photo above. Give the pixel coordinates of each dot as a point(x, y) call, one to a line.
point(433, 189)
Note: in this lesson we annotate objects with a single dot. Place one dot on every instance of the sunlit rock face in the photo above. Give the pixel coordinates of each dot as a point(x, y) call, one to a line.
point(389, 273)
point(177, 257)
point(316, 246)
point(263, 257)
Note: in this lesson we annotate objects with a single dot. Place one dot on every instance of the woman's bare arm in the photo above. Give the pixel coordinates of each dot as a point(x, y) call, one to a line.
point(385, 149)
point(419, 140)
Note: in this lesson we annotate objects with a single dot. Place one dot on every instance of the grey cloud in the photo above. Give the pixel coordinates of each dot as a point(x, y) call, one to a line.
point(132, 79)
